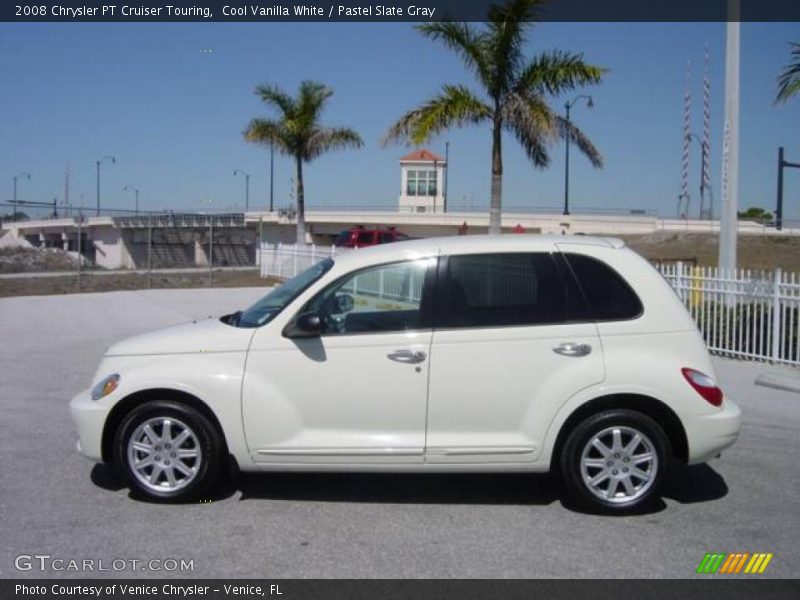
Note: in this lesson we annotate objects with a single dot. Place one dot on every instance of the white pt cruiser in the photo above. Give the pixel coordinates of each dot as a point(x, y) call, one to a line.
point(475, 353)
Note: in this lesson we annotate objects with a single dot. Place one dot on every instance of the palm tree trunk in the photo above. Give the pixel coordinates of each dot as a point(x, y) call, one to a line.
point(497, 178)
point(301, 204)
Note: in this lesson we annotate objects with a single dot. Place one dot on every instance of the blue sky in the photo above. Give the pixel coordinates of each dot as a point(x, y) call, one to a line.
point(173, 113)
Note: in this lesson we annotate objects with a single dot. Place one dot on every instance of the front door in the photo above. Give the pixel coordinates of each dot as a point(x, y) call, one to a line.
point(358, 392)
point(506, 354)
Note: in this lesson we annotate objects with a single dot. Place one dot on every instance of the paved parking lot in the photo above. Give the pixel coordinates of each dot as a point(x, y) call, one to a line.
point(54, 502)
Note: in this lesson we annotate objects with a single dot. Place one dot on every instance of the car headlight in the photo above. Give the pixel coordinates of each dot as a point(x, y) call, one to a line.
point(105, 386)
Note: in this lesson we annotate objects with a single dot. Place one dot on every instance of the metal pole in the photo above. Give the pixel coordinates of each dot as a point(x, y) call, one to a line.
point(246, 191)
point(730, 160)
point(80, 247)
point(566, 167)
point(261, 244)
point(15, 199)
point(446, 169)
point(271, 175)
point(211, 251)
point(136, 194)
point(98, 188)
point(779, 207)
point(150, 252)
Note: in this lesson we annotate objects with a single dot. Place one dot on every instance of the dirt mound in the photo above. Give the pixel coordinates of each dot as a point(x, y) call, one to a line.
point(27, 260)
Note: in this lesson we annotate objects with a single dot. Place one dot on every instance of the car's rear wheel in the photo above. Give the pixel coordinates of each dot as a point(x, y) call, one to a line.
point(615, 461)
point(167, 451)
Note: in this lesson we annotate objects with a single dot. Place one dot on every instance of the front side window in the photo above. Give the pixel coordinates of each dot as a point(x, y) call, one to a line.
point(378, 299)
point(495, 290)
point(272, 304)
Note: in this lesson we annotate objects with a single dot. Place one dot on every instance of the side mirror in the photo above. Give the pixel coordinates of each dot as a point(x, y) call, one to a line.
point(304, 326)
point(344, 303)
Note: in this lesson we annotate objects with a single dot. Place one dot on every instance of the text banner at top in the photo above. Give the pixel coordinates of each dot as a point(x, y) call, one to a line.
point(406, 10)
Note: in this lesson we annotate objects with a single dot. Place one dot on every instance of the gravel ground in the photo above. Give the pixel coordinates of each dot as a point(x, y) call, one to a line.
point(54, 502)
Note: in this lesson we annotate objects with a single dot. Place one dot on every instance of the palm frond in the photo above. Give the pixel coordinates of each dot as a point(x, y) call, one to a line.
point(577, 137)
point(465, 41)
point(789, 79)
point(556, 72)
point(311, 100)
point(507, 25)
point(266, 132)
point(276, 97)
point(455, 106)
point(331, 138)
point(532, 122)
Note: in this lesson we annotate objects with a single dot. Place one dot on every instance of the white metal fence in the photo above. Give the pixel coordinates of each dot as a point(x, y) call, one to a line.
point(745, 313)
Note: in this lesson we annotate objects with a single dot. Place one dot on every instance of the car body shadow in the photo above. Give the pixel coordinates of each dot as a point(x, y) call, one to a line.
point(689, 484)
point(684, 484)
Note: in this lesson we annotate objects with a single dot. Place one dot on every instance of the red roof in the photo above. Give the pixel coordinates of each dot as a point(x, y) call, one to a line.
point(422, 155)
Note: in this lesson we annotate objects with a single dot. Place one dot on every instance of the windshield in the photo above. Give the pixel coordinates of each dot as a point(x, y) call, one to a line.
point(273, 303)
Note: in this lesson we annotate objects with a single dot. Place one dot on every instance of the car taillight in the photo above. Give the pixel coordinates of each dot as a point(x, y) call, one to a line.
point(703, 385)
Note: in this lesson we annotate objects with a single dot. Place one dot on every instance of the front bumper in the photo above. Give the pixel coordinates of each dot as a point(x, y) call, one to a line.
point(89, 417)
point(708, 435)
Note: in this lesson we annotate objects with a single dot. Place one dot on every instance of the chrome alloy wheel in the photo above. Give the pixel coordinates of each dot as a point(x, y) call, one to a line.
point(619, 464)
point(164, 454)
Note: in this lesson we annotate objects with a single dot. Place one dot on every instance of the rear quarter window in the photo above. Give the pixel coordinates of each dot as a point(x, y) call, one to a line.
point(609, 296)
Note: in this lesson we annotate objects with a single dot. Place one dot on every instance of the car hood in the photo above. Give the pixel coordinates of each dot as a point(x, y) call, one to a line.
point(208, 335)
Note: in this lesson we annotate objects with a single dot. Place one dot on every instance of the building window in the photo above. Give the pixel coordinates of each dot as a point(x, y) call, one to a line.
point(421, 182)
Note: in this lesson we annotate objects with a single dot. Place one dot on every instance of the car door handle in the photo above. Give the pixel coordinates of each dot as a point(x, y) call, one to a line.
point(572, 349)
point(407, 356)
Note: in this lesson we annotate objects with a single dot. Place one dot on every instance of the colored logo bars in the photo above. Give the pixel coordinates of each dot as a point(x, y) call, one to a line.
point(741, 562)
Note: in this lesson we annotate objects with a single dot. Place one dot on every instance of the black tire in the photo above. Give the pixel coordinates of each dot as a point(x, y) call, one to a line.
point(616, 467)
point(204, 442)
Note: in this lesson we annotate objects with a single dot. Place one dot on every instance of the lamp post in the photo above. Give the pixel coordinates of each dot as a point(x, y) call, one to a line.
point(446, 169)
point(568, 106)
point(246, 186)
point(127, 187)
point(98, 163)
point(271, 175)
point(26, 175)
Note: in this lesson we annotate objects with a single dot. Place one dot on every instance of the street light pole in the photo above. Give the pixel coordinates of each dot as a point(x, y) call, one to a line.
point(98, 163)
point(23, 174)
point(271, 175)
point(135, 194)
point(446, 169)
point(246, 186)
point(568, 106)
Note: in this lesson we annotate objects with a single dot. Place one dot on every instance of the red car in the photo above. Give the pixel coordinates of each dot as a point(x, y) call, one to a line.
point(360, 237)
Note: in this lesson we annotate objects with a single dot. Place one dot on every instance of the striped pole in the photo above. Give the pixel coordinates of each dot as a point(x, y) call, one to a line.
point(687, 106)
point(706, 145)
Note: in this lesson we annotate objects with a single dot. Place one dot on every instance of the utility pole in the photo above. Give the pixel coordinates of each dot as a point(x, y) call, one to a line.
point(730, 154)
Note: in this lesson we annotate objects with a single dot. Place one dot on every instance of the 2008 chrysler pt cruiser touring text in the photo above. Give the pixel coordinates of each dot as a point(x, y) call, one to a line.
point(474, 353)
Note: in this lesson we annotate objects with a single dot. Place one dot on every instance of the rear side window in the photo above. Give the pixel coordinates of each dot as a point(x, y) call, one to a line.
point(494, 290)
point(609, 296)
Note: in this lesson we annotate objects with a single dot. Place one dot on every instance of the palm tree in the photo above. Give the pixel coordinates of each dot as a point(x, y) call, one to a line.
point(297, 132)
point(515, 90)
point(789, 80)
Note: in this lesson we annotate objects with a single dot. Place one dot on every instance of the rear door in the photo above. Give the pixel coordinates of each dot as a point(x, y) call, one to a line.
point(510, 346)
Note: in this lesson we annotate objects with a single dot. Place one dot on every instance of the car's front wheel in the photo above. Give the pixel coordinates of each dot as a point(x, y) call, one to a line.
point(615, 461)
point(167, 451)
